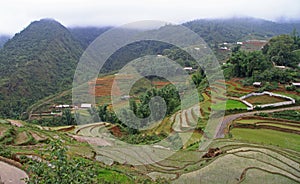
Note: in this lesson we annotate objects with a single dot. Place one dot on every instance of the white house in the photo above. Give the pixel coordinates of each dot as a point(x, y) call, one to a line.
point(257, 84)
point(188, 68)
point(281, 67)
point(296, 84)
point(86, 105)
point(62, 106)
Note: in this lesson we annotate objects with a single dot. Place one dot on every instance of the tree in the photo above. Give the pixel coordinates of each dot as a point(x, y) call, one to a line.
point(279, 50)
point(67, 117)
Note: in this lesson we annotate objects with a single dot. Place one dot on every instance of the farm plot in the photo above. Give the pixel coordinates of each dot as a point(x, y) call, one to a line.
point(267, 137)
point(268, 123)
point(230, 105)
point(230, 168)
point(264, 99)
point(236, 89)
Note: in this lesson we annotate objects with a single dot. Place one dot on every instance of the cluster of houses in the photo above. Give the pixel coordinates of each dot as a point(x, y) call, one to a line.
point(65, 106)
point(248, 44)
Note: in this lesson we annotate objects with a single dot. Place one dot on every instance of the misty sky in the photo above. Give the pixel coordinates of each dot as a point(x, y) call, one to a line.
point(15, 15)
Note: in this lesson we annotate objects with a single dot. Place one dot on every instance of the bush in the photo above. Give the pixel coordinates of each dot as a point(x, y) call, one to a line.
point(5, 151)
point(290, 87)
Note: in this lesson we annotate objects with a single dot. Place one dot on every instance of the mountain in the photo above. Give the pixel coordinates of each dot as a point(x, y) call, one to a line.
point(239, 29)
point(37, 62)
point(40, 60)
point(86, 35)
point(3, 40)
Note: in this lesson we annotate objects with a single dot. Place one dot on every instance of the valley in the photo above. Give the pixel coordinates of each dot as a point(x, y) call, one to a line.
point(231, 131)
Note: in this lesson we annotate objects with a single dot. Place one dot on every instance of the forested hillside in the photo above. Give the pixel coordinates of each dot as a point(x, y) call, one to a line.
point(35, 63)
point(238, 29)
point(3, 40)
point(86, 35)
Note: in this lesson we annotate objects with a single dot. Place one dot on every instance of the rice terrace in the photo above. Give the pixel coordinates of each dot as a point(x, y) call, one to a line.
point(209, 100)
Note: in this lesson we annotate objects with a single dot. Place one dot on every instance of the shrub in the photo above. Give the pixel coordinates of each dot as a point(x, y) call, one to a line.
point(290, 87)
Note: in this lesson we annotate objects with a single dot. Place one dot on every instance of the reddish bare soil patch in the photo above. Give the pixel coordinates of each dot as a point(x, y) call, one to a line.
point(66, 129)
point(103, 87)
point(21, 138)
point(116, 131)
point(264, 99)
point(160, 84)
point(37, 137)
point(15, 123)
point(212, 152)
point(2, 130)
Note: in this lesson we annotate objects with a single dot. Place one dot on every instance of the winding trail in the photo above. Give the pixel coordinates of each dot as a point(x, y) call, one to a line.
point(228, 119)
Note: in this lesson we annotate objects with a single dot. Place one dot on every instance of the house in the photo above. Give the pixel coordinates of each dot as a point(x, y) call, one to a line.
point(257, 84)
point(86, 106)
point(239, 43)
point(188, 68)
point(62, 106)
point(281, 67)
point(125, 97)
point(223, 48)
point(296, 84)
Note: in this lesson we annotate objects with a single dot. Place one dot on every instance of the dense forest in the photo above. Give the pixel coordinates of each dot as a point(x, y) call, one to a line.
point(35, 63)
point(282, 50)
point(238, 29)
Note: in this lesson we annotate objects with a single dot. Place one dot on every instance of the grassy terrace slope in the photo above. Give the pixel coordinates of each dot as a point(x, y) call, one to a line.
point(25, 140)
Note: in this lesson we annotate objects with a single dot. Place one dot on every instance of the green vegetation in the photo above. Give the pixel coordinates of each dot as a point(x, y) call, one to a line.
point(230, 105)
point(289, 115)
point(37, 62)
point(258, 65)
point(238, 29)
point(67, 118)
point(37, 67)
point(280, 49)
point(269, 137)
point(141, 109)
point(61, 169)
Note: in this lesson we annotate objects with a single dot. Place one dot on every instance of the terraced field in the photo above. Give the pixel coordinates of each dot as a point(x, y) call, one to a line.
point(264, 99)
point(241, 159)
point(278, 132)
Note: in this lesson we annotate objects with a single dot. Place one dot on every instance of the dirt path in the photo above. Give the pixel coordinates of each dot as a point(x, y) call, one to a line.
point(15, 122)
point(228, 119)
point(11, 174)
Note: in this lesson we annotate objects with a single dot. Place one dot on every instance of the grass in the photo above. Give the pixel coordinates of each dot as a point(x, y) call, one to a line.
point(113, 176)
point(269, 122)
point(270, 137)
point(230, 105)
point(264, 99)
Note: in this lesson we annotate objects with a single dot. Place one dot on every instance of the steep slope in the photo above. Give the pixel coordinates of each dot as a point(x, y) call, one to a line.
point(3, 40)
point(86, 35)
point(35, 63)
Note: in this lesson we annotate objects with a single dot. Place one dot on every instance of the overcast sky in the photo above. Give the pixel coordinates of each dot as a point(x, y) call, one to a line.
point(15, 15)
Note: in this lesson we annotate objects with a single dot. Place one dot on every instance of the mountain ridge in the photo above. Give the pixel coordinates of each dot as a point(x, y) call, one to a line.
point(35, 63)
